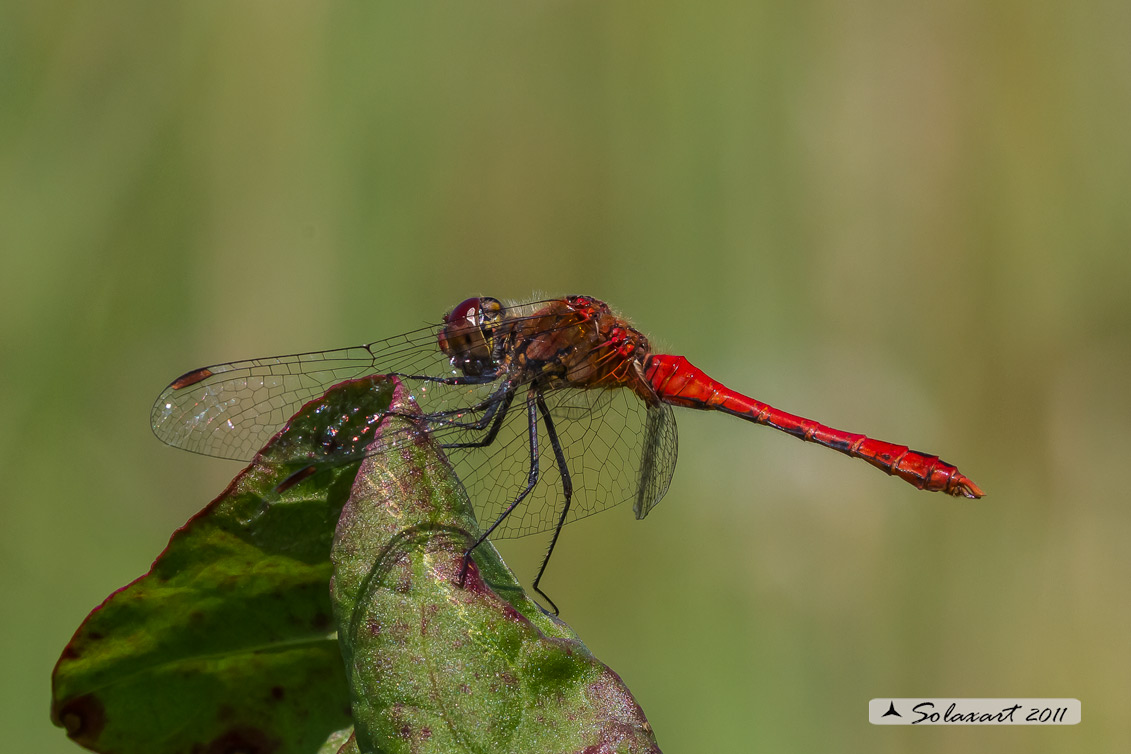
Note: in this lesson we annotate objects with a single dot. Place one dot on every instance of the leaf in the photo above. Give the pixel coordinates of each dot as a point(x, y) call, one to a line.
point(228, 643)
point(434, 667)
point(340, 742)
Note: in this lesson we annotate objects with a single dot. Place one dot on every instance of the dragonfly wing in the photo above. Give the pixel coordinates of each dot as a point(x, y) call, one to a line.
point(231, 410)
point(606, 439)
point(657, 464)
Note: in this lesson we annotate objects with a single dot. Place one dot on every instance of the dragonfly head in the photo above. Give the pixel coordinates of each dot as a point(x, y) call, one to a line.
point(468, 337)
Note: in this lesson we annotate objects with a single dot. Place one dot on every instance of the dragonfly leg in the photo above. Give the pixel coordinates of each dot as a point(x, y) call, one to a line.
point(491, 403)
point(480, 379)
point(496, 413)
point(532, 416)
point(567, 491)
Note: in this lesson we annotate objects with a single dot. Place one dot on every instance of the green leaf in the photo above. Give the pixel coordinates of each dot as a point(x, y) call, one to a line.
point(340, 742)
point(434, 667)
point(228, 643)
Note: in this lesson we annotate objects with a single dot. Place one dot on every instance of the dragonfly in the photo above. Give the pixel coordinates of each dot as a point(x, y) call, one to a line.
point(496, 386)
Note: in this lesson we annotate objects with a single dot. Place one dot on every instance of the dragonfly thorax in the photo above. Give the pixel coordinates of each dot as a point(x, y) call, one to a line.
point(579, 342)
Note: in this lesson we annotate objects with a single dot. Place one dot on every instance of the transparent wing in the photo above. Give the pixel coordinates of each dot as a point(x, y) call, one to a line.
point(231, 410)
point(616, 447)
point(658, 456)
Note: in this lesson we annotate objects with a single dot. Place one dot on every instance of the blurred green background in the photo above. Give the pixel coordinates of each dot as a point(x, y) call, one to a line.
point(909, 220)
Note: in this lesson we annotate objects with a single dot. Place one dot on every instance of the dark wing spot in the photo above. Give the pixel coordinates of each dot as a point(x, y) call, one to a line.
point(191, 378)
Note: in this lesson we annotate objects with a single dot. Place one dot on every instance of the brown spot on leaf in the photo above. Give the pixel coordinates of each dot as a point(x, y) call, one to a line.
point(242, 740)
point(321, 622)
point(277, 693)
point(621, 736)
point(84, 717)
point(403, 584)
point(191, 378)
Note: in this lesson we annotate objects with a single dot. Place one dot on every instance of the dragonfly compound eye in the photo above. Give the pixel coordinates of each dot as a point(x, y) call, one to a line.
point(468, 335)
point(467, 311)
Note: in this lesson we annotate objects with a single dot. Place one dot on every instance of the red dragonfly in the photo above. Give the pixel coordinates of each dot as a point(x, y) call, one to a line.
point(594, 393)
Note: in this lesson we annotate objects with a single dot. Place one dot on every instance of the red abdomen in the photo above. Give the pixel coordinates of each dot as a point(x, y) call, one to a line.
point(680, 383)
